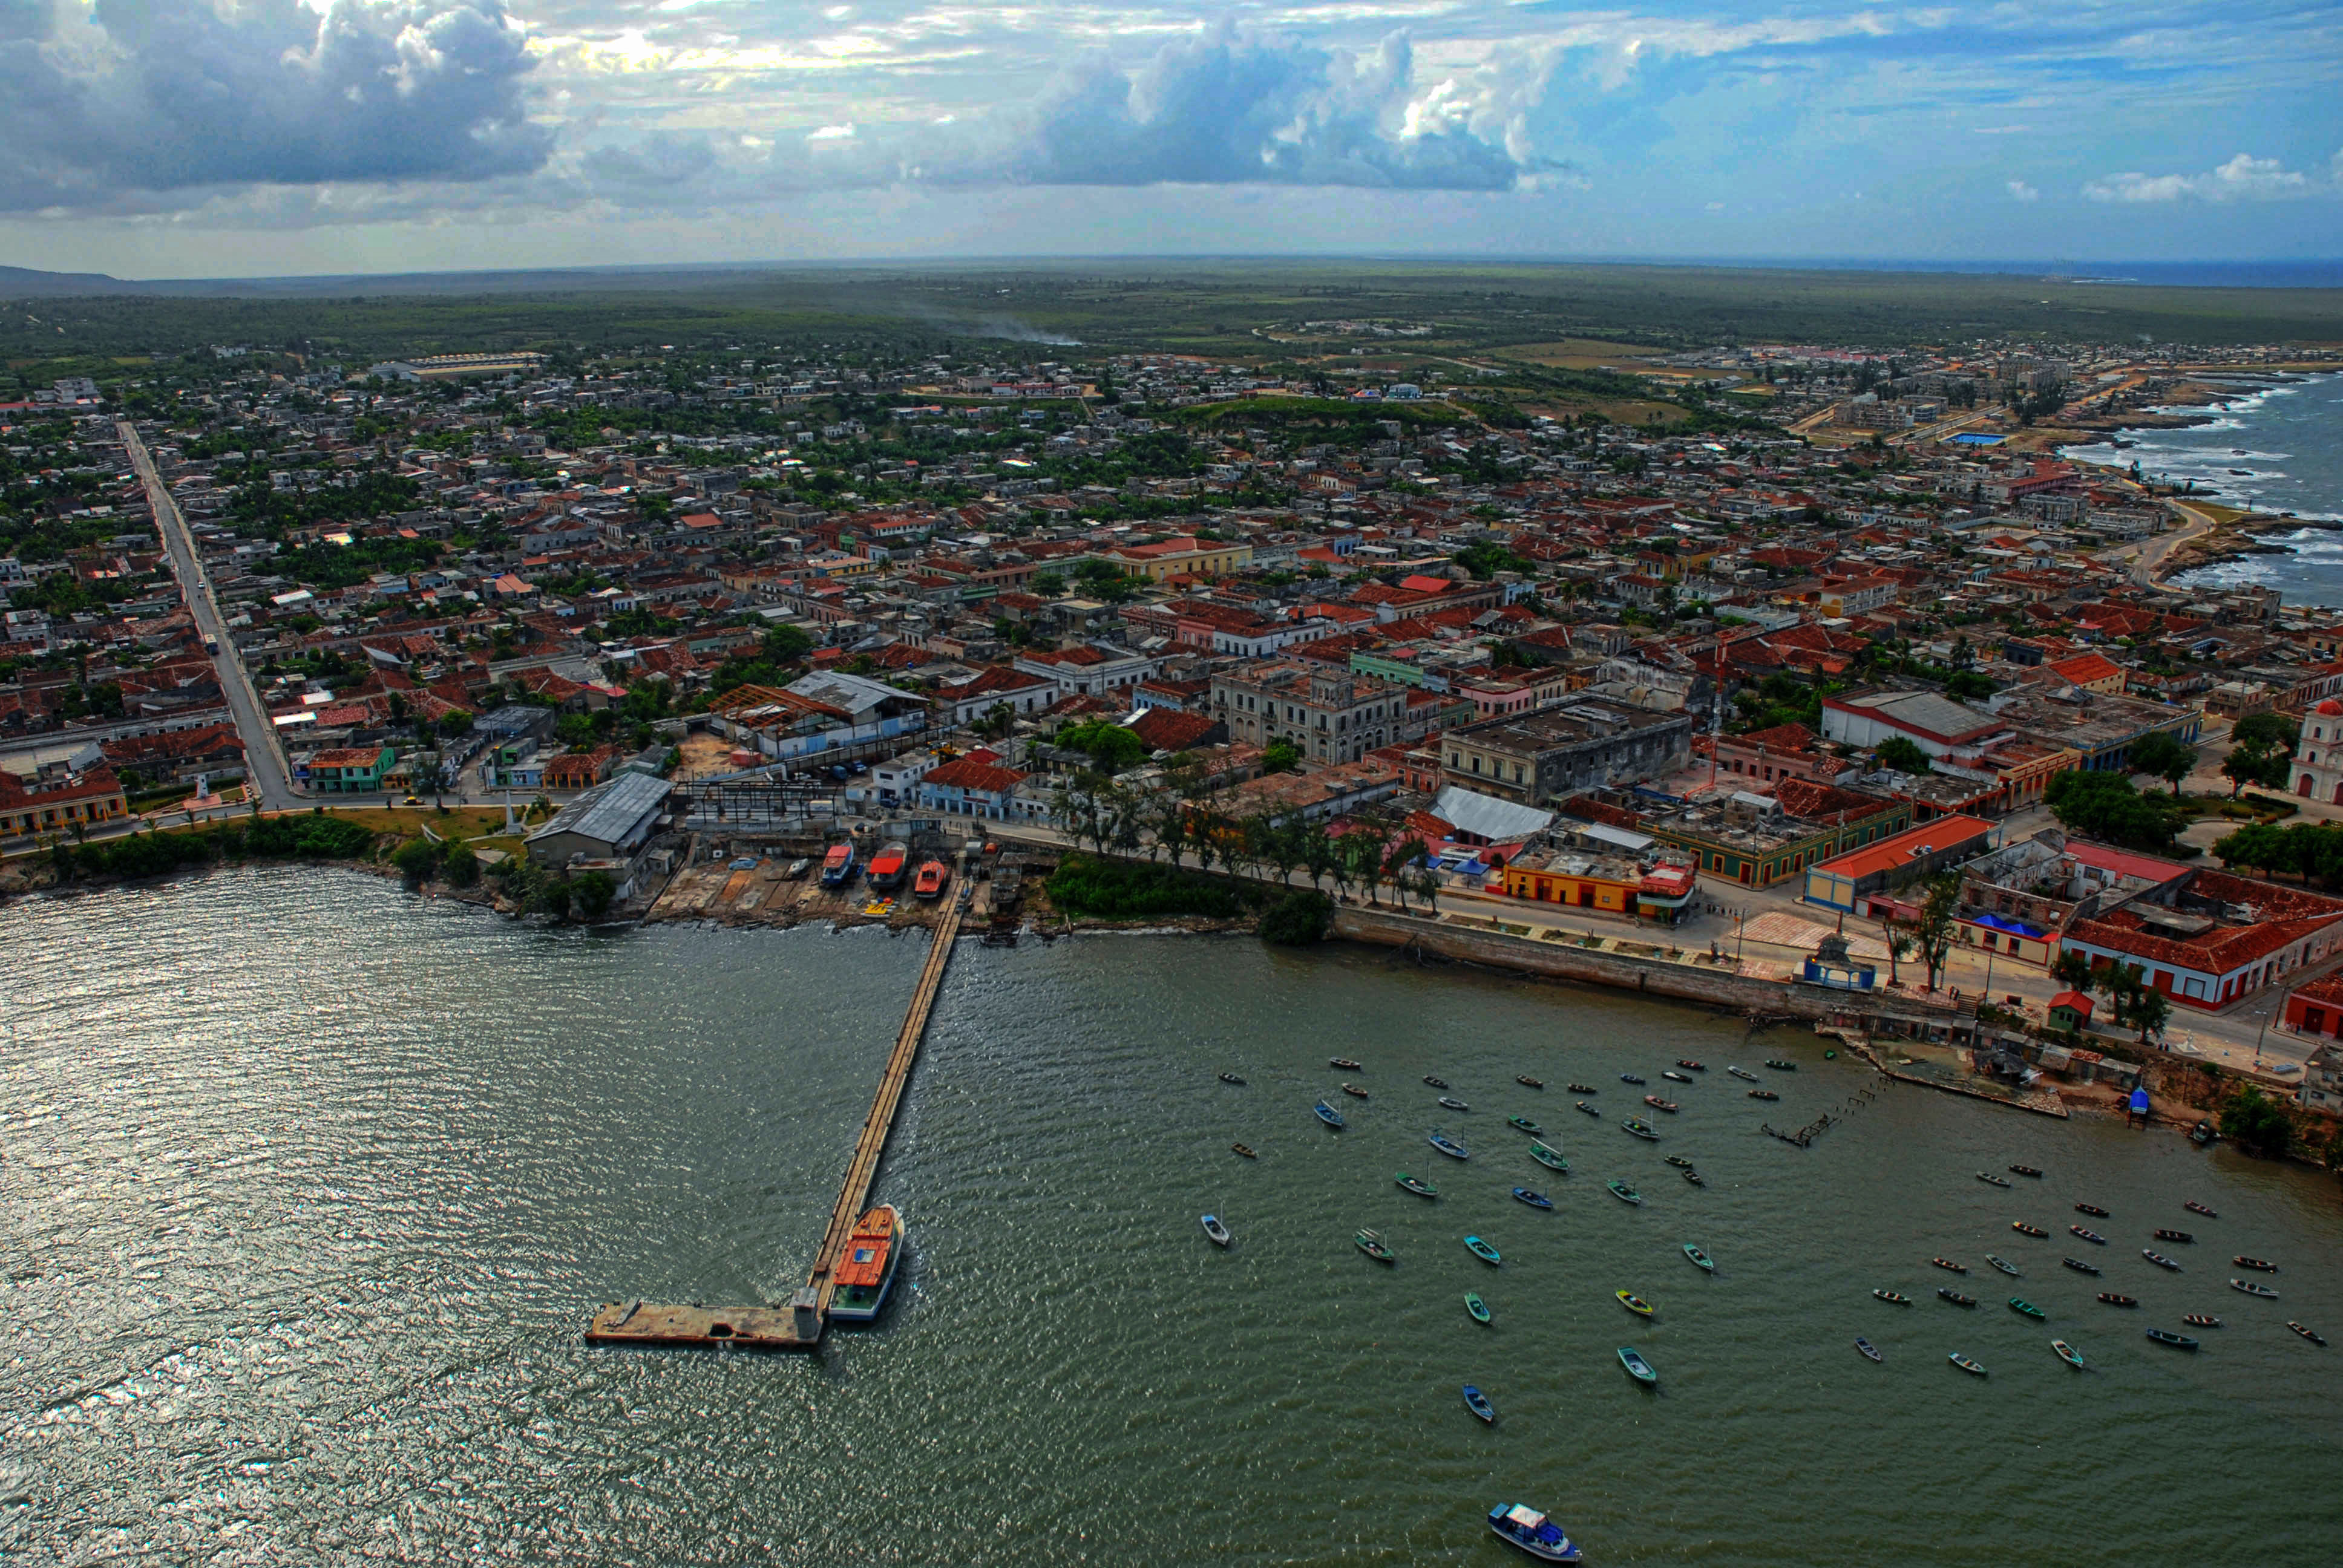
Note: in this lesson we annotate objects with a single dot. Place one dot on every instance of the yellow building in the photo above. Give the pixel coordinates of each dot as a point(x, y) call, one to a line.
point(1186, 556)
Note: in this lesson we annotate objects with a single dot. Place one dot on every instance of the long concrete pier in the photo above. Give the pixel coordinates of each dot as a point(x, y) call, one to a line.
point(798, 1326)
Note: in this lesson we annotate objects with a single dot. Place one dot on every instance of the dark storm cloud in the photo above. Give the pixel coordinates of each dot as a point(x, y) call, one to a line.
point(143, 97)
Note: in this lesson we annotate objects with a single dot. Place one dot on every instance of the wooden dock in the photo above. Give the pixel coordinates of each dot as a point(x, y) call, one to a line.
point(798, 1326)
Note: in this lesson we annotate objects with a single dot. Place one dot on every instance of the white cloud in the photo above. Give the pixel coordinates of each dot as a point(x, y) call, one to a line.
point(2019, 190)
point(2243, 178)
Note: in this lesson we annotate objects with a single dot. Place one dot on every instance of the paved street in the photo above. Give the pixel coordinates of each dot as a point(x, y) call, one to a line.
point(263, 761)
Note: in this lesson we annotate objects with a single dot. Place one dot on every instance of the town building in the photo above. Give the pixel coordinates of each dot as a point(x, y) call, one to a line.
point(1323, 711)
point(1549, 753)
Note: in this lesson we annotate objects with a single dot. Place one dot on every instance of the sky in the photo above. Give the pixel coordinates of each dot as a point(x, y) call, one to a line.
point(193, 139)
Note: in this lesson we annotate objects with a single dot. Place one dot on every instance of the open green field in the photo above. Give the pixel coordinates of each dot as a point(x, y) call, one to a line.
point(1564, 317)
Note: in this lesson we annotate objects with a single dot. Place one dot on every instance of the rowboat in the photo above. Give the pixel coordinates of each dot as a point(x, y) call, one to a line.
point(1674, 1076)
point(1354, 1091)
point(1763, 1094)
point(1435, 1082)
point(1694, 1066)
point(2026, 1308)
point(2024, 1171)
point(1477, 1307)
point(1656, 1103)
point(1581, 1088)
point(1700, 1259)
point(1448, 1146)
point(1693, 1176)
point(1523, 1526)
point(1778, 1065)
point(1528, 1083)
point(1449, 1103)
point(1898, 1296)
point(1231, 1077)
point(1621, 1191)
point(1586, 1108)
point(2182, 1236)
point(1987, 1176)
point(1678, 1160)
point(1481, 1250)
point(1550, 1158)
point(1328, 1114)
point(2091, 1236)
point(2201, 1321)
point(2003, 1264)
point(2166, 1337)
point(2195, 1208)
point(1637, 1367)
point(2115, 1301)
point(2069, 1354)
point(1525, 1124)
point(2312, 1335)
point(2160, 1260)
point(2262, 1264)
point(1244, 1149)
point(1629, 1078)
point(1216, 1231)
point(1641, 1128)
point(2252, 1289)
point(1374, 1247)
point(1478, 1404)
point(1744, 1077)
point(2091, 1209)
point(1417, 1185)
point(2023, 1229)
point(1633, 1304)
point(1346, 1063)
point(1954, 1296)
point(1948, 1263)
point(1965, 1364)
point(2079, 1266)
point(1535, 1200)
point(1867, 1347)
point(2203, 1133)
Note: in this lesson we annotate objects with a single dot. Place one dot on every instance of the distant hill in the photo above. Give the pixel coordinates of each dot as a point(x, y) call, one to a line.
point(24, 282)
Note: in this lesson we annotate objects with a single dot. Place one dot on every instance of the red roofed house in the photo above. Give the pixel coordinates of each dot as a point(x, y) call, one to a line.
point(2089, 672)
point(966, 789)
point(2219, 939)
point(59, 802)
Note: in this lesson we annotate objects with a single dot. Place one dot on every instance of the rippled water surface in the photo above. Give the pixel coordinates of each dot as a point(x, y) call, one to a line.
point(309, 1189)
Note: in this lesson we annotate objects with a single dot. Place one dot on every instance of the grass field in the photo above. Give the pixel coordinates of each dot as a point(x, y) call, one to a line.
point(1579, 354)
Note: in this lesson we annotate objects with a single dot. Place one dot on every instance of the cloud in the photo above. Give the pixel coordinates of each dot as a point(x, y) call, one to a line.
point(131, 98)
point(2020, 191)
point(2243, 178)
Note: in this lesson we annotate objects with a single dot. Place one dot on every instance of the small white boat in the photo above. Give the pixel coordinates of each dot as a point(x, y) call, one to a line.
point(1216, 1231)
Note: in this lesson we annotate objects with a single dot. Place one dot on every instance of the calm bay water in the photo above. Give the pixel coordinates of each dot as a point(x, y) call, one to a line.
point(309, 1187)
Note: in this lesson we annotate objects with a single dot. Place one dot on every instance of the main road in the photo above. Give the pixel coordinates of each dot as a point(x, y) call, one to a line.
point(264, 763)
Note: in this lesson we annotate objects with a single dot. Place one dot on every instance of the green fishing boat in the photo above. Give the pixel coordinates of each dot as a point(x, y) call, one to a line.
point(1477, 1307)
point(1417, 1185)
point(1550, 1158)
point(2017, 1304)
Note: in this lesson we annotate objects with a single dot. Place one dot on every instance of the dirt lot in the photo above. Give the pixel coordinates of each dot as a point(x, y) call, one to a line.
point(705, 756)
point(765, 896)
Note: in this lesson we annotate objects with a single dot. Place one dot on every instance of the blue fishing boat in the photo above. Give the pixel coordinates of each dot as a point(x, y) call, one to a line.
point(1535, 1200)
point(1328, 1114)
point(1478, 1404)
point(1448, 1146)
point(1481, 1250)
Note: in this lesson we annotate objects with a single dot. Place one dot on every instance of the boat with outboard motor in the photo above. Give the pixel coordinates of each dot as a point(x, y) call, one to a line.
point(1519, 1524)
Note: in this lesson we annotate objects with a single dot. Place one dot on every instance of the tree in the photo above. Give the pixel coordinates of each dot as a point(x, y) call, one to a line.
point(2146, 1010)
point(2257, 846)
point(2073, 970)
point(1279, 757)
point(1904, 753)
point(461, 869)
point(1298, 920)
point(1933, 934)
point(2255, 1123)
point(2106, 807)
point(593, 894)
point(2261, 747)
point(1049, 584)
point(418, 859)
point(1898, 942)
point(2159, 755)
point(1279, 844)
point(1111, 746)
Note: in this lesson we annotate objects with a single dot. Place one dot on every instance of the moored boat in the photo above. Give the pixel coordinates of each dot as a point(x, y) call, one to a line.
point(1965, 1364)
point(1435, 1082)
point(1477, 1307)
point(1588, 1108)
point(2023, 1229)
point(2166, 1337)
point(1895, 1297)
point(2115, 1301)
point(2069, 1353)
point(1948, 1263)
point(1529, 1083)
point(1656, 1103)
point(1629, 1078)
point(1641, 1128)
point(1244, 1149)
point(2262, 1264)
point(1525, 1124)
point(2203, 1133)
point(1700, 1260)
point(1866, 1346)
point(1621, 1191)
point(2195, 1208)
point(1478, 1404)
point(1988, 1176)
point(1633, 1304)
point(2181, 1236)
point(1693, 1066)
point(1778, 1065)
point(1744, 1077)
point(2250, 1288)
point(1694, 1177)
point(1521, 1525)
point(2091, 1236)
point(2025, 1308)
point(1231, 1077)
point(2201, 1321)
point(2006, 1266)
point(1550, 1158)
point(1448, 1146)
point(1328, 1114)
point(1354, 1091)
point(1637, 1367)
point(1482, 1250)
point(1954, 1296)
point(1582, 1088)
point(1346, 1064)
point(2079, 1266)
point(866, 1268)
point(1763, 1094)
point(1449, 1103)
point(1216, 1231)
point(1676, 1077)
point(2160, 1260)
point(2312, 1334)
point(1417, 1185)
point(2093, 1210)
point(1374, 1247)
point(1678, 1160)
point(1535, 1200)
point(2024, 1171)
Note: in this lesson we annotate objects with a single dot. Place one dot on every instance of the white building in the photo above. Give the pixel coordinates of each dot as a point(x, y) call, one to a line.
point(2319, 758)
